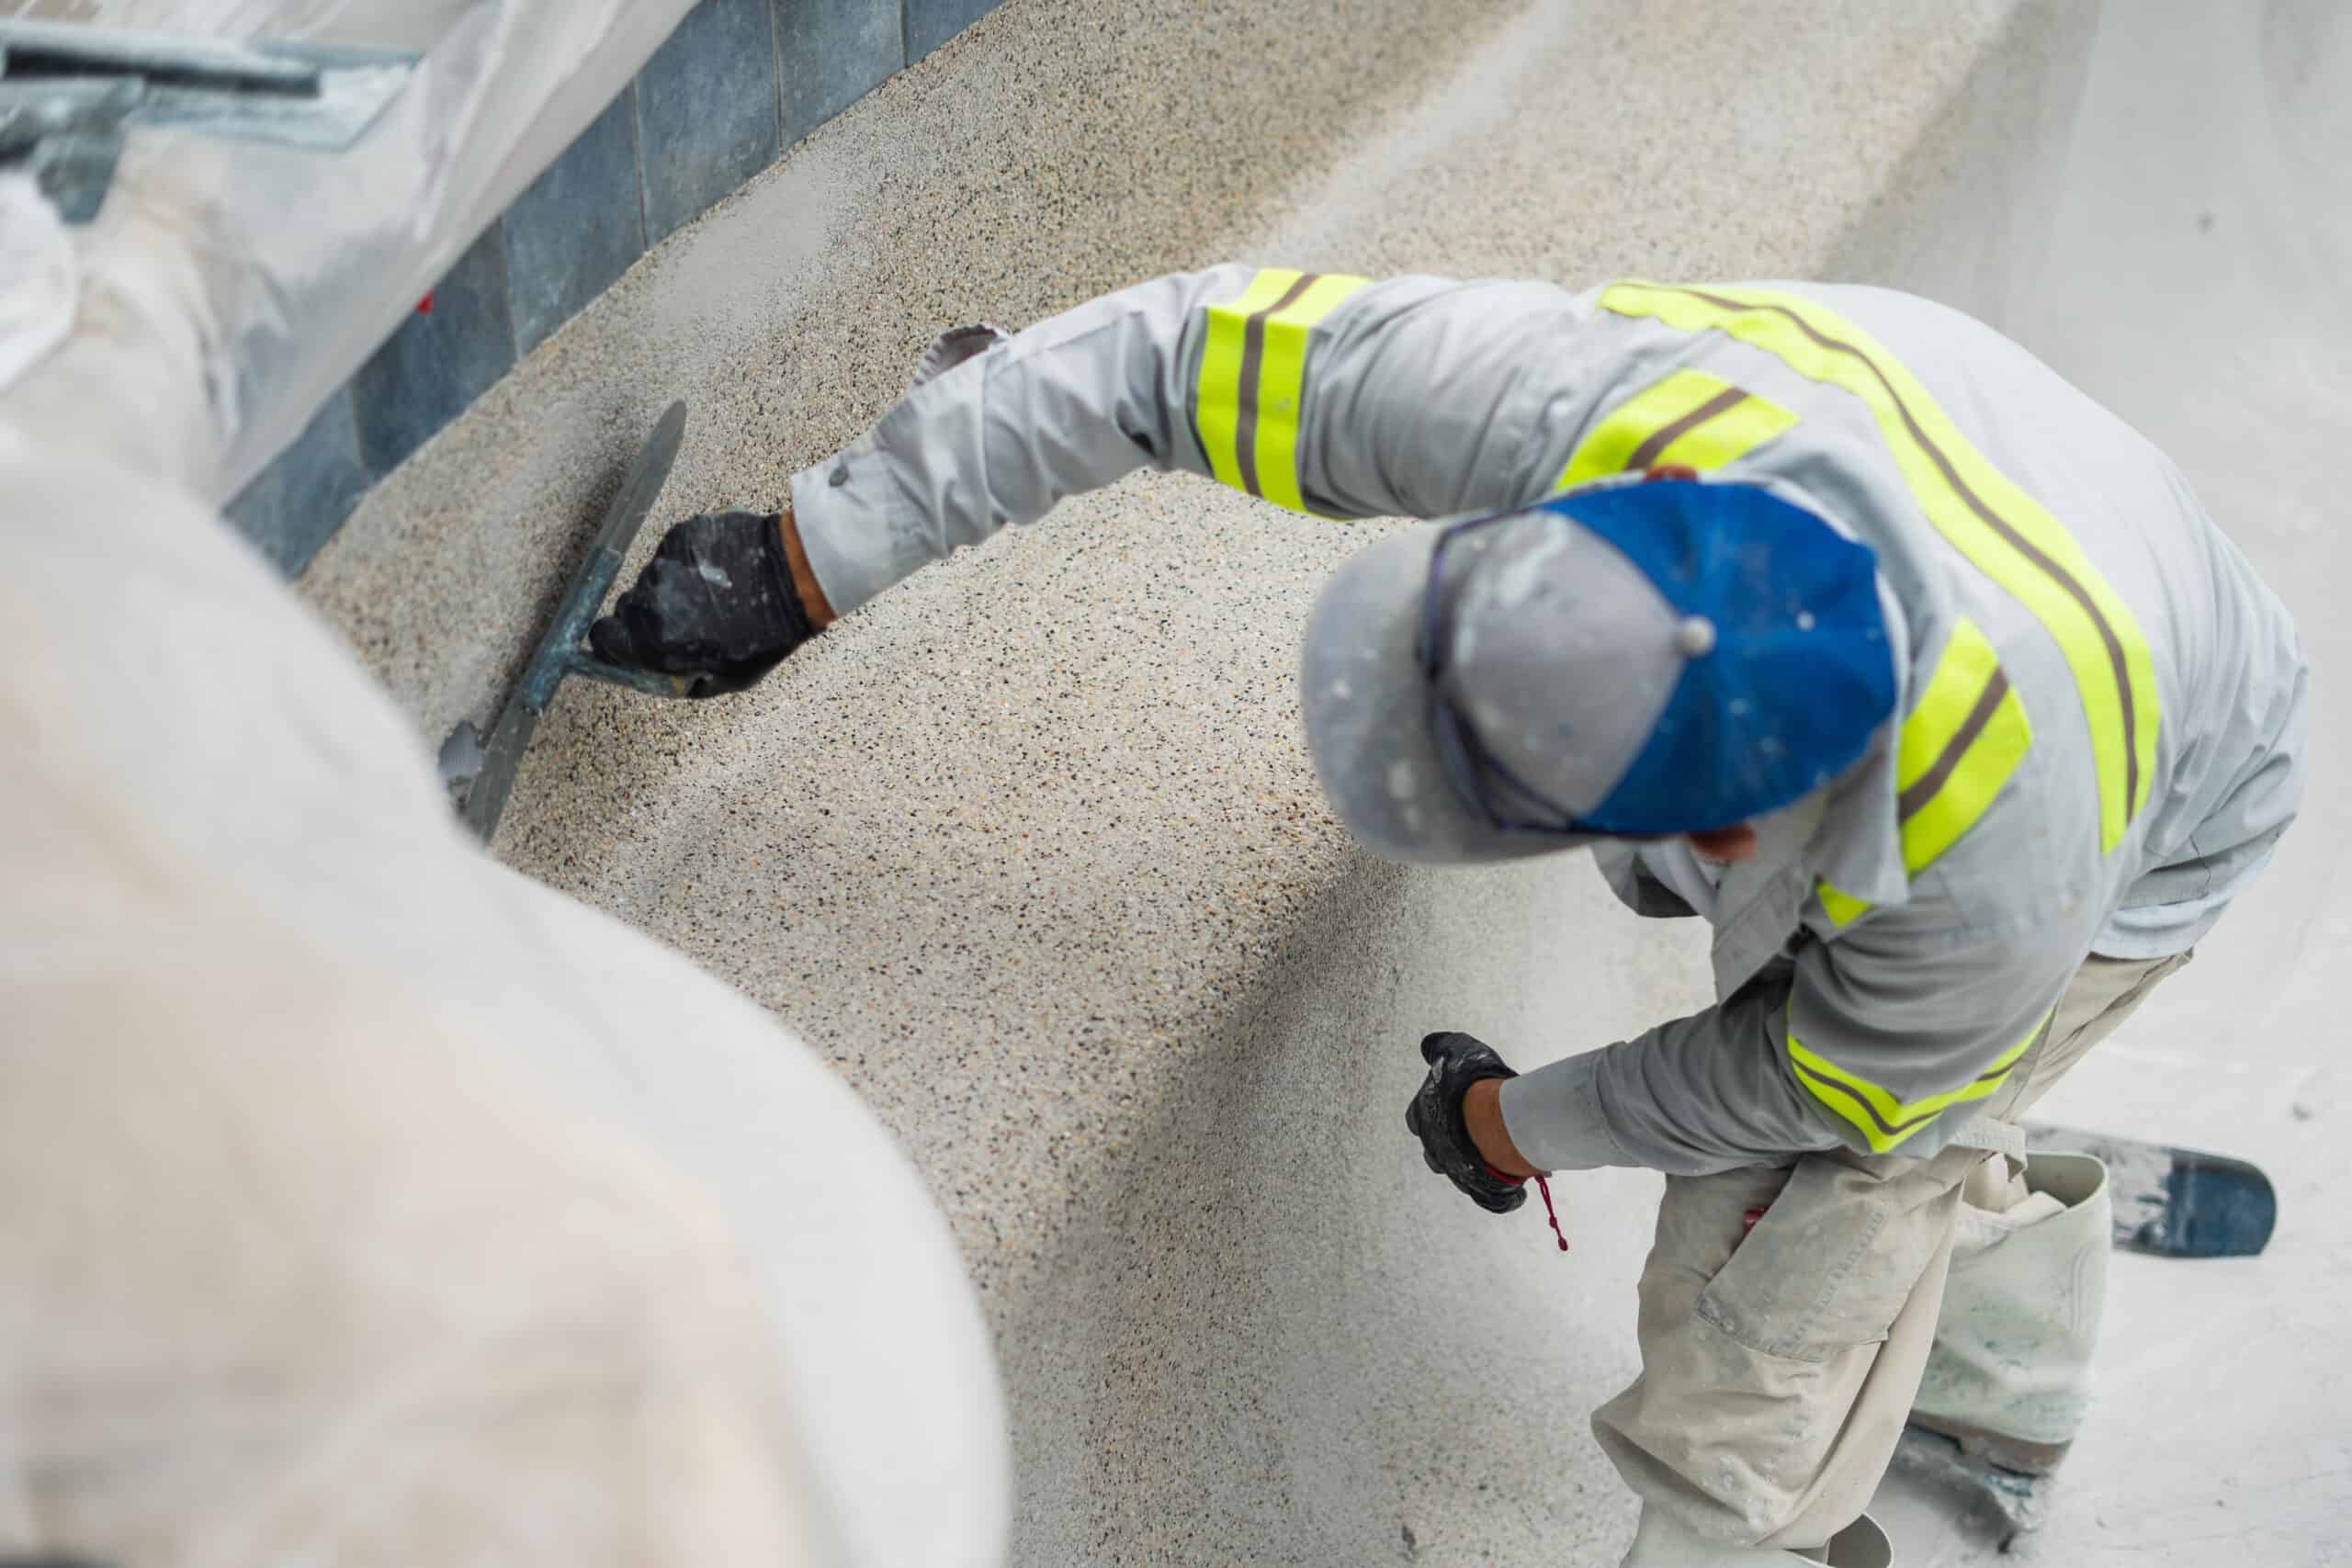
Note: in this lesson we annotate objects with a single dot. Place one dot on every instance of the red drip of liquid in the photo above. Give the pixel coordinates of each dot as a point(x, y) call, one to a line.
point(1544, 1187)
point(1550, 1213)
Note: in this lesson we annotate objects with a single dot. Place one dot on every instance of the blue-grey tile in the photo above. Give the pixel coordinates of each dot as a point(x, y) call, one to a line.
point(439, 360)
point(829, 54)
point(577, 228)
point(296, 505)
point(931, 23)
point(705, 110)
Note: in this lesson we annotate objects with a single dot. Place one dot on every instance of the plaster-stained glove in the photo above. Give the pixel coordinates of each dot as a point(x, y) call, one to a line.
point(1457, 1061)
point(716, 599)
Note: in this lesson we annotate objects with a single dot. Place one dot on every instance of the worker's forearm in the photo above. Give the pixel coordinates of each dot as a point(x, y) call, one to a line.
point(1550, 1120)
point(1482, 1114)
point(1701, 1094)
point(1068, 405)
point(805, 586)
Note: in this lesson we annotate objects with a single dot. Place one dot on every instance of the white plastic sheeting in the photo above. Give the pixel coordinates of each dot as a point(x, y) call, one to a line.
point(38, 286)
point(366, 1203)
point(271, 272)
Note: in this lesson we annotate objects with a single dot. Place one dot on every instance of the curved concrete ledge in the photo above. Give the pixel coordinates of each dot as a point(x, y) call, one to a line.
point(1029, 848)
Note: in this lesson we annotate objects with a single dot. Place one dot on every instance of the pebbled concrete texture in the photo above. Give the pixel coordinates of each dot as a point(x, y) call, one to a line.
point(1030, 847)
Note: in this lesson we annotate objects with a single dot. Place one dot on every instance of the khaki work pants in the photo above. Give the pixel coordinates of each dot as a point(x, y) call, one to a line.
point(1778, 1367)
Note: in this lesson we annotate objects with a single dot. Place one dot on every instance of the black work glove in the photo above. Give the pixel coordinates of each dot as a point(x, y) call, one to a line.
point(716, 600)
point(1457, 1061)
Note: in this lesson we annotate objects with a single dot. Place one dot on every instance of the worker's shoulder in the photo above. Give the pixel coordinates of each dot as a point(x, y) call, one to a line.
point(1949, 352)
point(1904, 322)
point(1878, 311)
point(1871, 352)
point(1856, 300)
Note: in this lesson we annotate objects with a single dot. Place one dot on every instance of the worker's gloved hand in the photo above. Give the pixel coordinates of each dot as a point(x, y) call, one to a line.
point(1457, 1061)
point(716, 600)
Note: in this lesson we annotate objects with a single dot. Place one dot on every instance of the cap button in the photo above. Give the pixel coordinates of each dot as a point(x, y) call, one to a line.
point(1695, 638)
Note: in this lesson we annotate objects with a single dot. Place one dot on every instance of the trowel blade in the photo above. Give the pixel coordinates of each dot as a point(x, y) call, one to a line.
point(558, 652)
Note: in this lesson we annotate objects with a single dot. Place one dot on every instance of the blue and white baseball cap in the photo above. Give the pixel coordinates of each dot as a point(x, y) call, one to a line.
point(1636, 659)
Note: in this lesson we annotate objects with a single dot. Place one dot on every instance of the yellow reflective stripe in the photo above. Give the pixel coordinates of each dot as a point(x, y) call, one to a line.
point(1216, 401)
point(2008, 535)
point(1843, 909)
point(1690, 419)
point(1281, 385)
point(1957, 748)
point(1253, 378)
point(1728, 436)
point(1965, 666)
point(1882, 1120)
point(1968, 734)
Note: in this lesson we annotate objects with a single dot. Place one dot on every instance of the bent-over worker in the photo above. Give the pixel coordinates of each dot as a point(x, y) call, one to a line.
point(1826, 615)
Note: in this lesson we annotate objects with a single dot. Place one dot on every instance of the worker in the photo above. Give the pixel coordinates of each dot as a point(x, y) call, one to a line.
point(1826, 613)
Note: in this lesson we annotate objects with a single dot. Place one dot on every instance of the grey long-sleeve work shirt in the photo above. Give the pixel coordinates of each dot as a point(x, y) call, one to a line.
point(2101, 706)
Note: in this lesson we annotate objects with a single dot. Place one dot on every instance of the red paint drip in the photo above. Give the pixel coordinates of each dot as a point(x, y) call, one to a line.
point(425, 306)
point(1550, 1213)
point(1541, 1186)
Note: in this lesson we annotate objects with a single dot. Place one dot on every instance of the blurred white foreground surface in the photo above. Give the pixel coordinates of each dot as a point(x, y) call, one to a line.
point(366, 1203)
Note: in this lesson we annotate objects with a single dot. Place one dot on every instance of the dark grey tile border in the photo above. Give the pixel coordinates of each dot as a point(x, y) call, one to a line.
point(829, 54)
point(577, 228)
point(302, 498)
point(736, 83)
point(706, 111)
point(439, 360)
point(931, 23)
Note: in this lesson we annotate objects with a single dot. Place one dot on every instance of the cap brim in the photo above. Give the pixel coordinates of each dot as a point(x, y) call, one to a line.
point(1367, 709)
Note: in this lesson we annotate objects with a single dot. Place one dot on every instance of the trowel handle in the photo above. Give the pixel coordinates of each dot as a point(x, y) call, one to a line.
point(651, 681)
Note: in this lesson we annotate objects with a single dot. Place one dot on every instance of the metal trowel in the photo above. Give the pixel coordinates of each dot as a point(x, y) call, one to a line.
point(481, 772)
point(71, 91)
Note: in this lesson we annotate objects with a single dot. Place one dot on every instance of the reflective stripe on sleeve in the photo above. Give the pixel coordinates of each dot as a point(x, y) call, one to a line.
point(1843, 909)
point(1689, 420)
point(1884, 1120)
point(1253, 378)
point(1958, 745)
point(1957, 748)
point(2004, 532)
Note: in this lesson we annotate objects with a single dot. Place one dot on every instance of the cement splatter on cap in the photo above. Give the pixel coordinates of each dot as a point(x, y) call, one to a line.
point(1638, 659)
